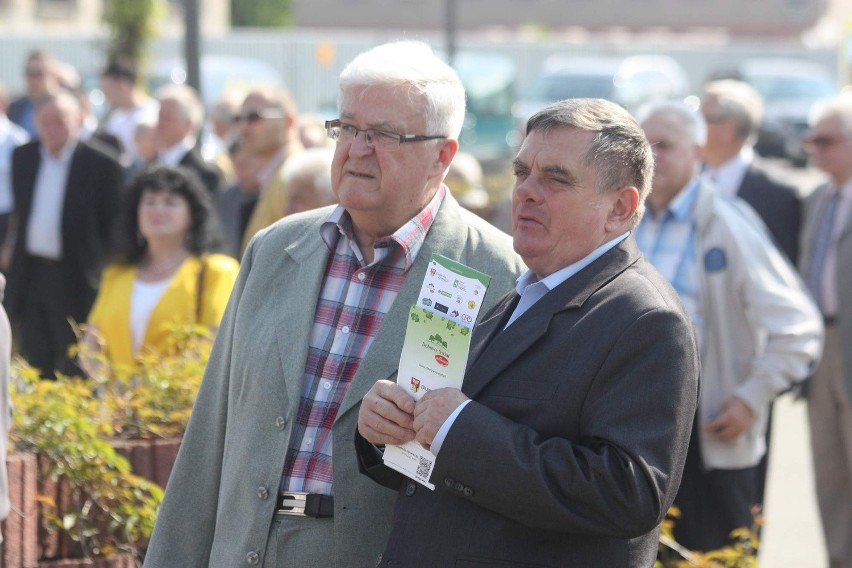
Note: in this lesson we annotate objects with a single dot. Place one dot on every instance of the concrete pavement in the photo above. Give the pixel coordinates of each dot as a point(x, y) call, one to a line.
point(792, 536)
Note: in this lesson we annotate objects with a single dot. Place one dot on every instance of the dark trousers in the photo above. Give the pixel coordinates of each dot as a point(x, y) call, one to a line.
point(712, 503)
point(45, 332)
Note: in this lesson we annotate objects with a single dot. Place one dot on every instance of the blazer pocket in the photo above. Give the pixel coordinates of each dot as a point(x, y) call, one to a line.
point(525, 390)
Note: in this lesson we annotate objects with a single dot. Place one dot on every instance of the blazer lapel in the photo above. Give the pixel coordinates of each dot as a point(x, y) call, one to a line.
point(382, 359)
point(497, 348)
point(293, 326)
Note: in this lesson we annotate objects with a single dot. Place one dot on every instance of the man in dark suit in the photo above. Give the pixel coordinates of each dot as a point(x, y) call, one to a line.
point(66, 198)
point(733, 111)
point(179, 121)
point(565, 444)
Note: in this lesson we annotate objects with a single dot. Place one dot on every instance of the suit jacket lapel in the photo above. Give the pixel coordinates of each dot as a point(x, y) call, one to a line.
point(382, 359)
point(497, 348)
point(294, 325)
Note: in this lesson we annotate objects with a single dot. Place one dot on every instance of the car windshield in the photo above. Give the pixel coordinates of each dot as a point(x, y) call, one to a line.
point(558, 87)
point(778, 88)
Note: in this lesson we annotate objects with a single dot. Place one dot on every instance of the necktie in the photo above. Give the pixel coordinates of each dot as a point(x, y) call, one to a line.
point(821, 246)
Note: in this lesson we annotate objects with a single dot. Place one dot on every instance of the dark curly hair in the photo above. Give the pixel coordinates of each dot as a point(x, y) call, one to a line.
point(204, 233)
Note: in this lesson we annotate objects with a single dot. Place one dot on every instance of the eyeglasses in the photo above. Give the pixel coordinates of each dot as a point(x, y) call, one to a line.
point(346, 133)
point(821, 142)
point(255, 115)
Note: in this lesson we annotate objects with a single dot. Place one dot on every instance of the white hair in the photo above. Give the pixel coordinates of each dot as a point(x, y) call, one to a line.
point(413, 64)
point(696, 127)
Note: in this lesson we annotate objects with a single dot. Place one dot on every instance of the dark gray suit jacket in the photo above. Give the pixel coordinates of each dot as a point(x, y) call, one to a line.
point(572, 449)
point(777, 203)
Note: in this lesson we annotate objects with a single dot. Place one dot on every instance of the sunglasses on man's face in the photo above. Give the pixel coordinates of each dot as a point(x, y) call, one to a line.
point(261, 114)
point(821, 142)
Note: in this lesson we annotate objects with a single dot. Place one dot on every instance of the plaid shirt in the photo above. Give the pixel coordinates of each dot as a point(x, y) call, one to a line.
point(352, 305)
point(668, 242)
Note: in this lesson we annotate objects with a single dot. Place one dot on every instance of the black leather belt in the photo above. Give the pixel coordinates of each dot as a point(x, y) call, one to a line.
point(305, 504)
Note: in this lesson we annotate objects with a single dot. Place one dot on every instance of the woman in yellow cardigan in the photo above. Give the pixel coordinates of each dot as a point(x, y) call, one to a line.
point(166, 274)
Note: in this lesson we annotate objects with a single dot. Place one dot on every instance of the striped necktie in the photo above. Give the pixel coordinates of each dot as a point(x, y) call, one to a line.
point(821, 246)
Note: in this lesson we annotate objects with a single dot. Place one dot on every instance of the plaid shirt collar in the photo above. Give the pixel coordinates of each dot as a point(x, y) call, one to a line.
point(409, 237)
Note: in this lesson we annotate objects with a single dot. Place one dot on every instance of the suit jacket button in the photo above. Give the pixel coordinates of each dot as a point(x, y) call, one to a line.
point(411, 488)
point(468, 492)
point(449, 482)
point(459, 486)
point(252, 558)
point(280, 422)
point(262, 493)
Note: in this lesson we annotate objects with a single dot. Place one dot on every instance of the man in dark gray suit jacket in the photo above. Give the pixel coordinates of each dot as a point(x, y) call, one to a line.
point(565, 444)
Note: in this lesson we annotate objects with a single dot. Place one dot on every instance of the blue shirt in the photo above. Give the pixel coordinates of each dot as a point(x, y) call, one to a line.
point(668, 241)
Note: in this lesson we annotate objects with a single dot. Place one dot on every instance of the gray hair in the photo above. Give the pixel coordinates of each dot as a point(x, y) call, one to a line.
point(693, 120)
point(187, 99)
point(839, 105)
point(413, 64)
point(620, 152)
point(313, 164)
point(739, 102)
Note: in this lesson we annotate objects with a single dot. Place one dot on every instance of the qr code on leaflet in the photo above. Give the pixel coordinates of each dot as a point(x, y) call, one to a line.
point(424, 467)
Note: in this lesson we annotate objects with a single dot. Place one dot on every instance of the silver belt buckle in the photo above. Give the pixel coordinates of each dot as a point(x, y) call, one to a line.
point(293, 503)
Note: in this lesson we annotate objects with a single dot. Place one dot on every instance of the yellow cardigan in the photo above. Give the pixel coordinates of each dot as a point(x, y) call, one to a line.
point(111, 313)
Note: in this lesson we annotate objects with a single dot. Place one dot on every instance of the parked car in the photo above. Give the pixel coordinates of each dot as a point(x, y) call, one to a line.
point(629, 81)
point(789, 88)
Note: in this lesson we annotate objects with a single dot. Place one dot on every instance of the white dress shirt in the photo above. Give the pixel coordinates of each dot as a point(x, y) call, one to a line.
point(728, 177)
point(172, 156)
point(44, 231)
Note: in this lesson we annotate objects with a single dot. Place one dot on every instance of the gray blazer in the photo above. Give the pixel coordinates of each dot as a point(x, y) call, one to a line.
point(814, 207)
point(572, 449)
point(220, 499)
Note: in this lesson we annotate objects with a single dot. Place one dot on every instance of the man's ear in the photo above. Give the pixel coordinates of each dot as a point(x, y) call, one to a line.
point(447, 151)
point(624, 205)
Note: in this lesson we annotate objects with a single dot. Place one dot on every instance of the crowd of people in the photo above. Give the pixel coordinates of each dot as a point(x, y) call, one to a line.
point(660, 289)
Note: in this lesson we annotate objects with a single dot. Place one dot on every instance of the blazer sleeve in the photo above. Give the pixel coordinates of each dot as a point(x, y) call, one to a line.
point(186, 523)
point(619, 474)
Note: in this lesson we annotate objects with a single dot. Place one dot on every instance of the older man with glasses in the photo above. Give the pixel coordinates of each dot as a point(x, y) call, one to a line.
point(267, 473)
point(826, 264)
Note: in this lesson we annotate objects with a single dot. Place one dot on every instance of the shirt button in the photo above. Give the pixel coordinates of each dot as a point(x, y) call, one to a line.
point(262, 493)
point(326, 385)
point(410, 489)
point(280, 422)
point(345, 329)
point(361, 276)
point(309, 441)
point(252, 558)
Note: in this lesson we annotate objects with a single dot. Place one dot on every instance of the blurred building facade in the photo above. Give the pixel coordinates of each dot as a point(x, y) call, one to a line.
point(83, 17)
point(733, 17)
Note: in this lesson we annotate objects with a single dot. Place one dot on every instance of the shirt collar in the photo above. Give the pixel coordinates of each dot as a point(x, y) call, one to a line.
point(409, 237)
point(553, 280)
point(681, 206)
point(173, 155)
point(64, 156)
point(265, 174)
